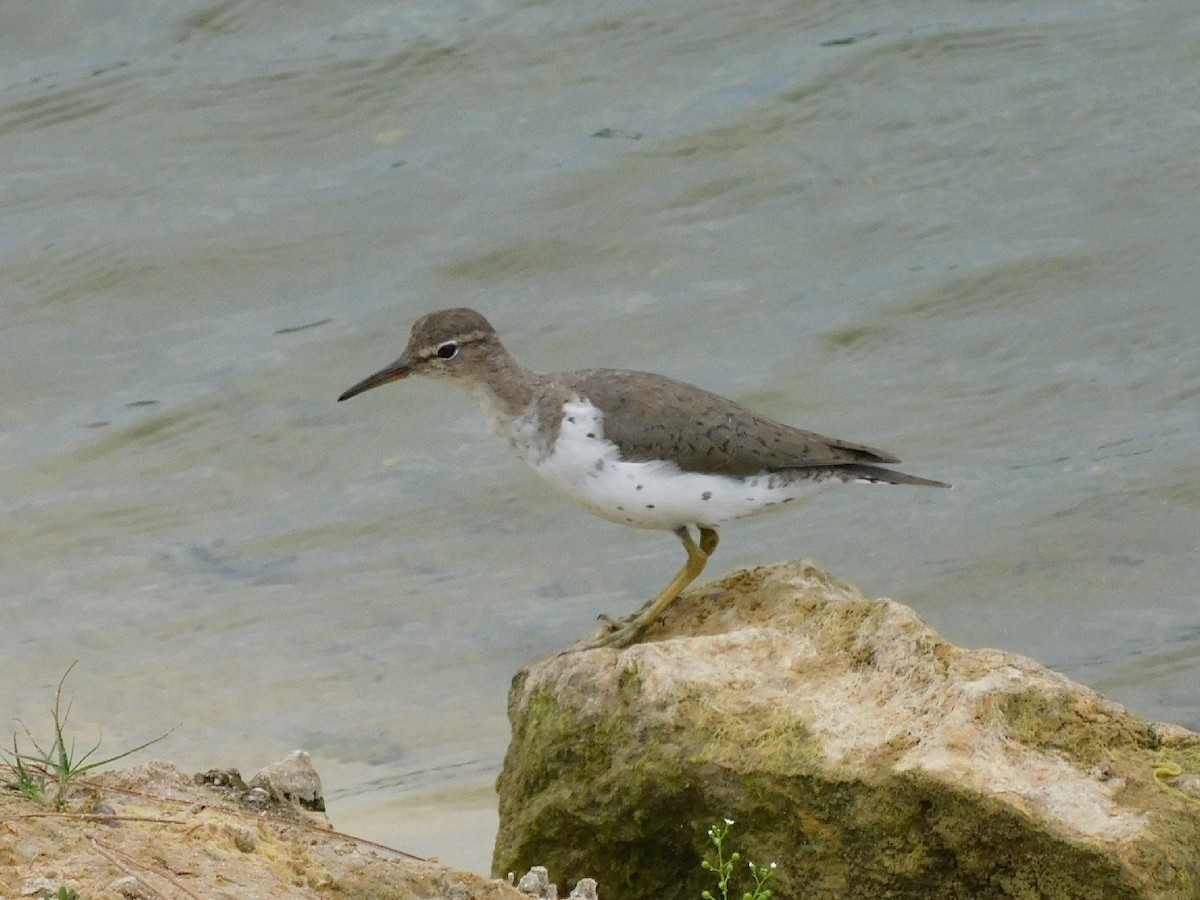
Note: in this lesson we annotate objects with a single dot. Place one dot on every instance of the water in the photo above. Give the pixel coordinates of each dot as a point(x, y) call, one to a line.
point(962, 232)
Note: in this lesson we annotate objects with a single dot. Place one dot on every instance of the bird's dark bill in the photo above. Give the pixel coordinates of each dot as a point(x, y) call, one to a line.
point(397, 370)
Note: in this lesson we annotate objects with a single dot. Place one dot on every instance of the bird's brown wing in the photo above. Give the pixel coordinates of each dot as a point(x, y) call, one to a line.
point(649, 417)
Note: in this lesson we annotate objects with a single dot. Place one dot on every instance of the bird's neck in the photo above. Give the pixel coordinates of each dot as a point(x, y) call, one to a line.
point(507, 392)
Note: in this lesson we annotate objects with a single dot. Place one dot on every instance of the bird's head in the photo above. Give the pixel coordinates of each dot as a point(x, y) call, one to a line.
point(456, 345)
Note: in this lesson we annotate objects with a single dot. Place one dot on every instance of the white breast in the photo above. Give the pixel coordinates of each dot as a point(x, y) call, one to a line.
point(590, 470)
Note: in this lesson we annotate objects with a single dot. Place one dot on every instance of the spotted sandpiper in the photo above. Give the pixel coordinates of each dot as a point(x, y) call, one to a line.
point(635, 448)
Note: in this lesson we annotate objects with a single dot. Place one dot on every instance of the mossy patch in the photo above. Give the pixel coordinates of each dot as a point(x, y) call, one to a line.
point(1074, 726)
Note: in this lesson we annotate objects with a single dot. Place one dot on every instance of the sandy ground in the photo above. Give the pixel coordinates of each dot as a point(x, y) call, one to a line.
point(152, 831)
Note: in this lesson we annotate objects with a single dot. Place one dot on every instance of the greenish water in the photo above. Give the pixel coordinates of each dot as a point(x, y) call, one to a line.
point(961, 232)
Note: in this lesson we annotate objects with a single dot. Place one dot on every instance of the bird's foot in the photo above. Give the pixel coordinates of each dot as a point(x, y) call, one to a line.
point(616, 633)
point(612, 623)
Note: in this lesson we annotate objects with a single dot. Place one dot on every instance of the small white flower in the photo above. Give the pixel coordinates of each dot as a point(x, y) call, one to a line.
point(729, 821)
point(772, 865)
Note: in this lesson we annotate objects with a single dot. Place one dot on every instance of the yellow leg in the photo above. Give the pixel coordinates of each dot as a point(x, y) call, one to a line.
point(628, 631)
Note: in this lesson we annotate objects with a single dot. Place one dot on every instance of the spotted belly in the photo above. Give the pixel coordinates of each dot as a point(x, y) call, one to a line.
point(591, 471)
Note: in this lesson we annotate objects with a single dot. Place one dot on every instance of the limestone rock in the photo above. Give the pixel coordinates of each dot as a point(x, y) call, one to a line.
point(293, 779)
point(585, 890)
point(852, 745)
point(536, 883)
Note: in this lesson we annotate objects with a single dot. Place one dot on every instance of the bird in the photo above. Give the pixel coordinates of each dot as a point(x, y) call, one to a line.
point(636, 448)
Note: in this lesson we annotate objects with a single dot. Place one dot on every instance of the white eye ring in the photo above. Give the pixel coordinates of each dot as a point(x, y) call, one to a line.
point(448, 350)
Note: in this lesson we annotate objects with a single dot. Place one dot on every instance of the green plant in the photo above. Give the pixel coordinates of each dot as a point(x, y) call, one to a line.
point(63, 894)
point(723, 868)
point(31, 783)
point(59, 764)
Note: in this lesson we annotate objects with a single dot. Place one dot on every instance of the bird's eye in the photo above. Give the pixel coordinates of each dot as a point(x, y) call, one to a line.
point(447, 350)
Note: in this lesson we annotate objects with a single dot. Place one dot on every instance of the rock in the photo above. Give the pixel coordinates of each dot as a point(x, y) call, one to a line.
point(230, 779)
point(243, 838)
point(127, 886)
point(260, 798)
point(287, 788)
point(585, 890)
point(536, 883)
point(40, 885)
point(852, 745)
point(293, 779)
